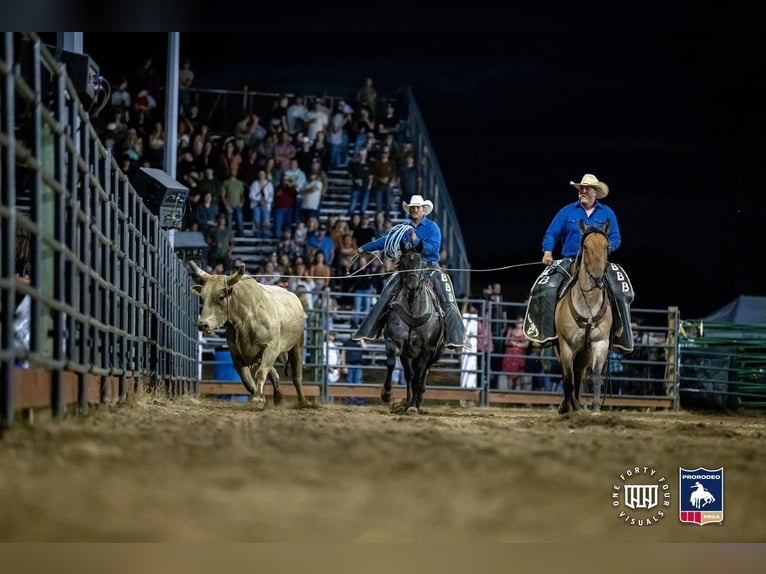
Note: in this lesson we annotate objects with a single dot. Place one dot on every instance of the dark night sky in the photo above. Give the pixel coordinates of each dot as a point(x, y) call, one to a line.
point(668, 111)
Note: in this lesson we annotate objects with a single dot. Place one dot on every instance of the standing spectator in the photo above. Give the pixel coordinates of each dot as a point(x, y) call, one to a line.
point(514, 359)
point(248, 171)
point(299, 176)
point(316, 120)
point(207, 158)
point(321, 149)
point(120, 100)
point(284, 205)
point(384, 172)
point(484, 344)
point(361, 127)
point(304, 154)
point(338, 137)
point(311, 195)
point(367, 97)
point(364, 232)
point(499, 320)
point(389, 123)
point(279, 114)
point(296, 115)
point(221, 242)
point(157, 145)
point(147, 76)
point(360, 174)
point(193, 201)
point(261, 199)
point(284, 152)
point(185, 81)
point(233, 197)
point(410, 179)
point(210, 184)
point(230, 160)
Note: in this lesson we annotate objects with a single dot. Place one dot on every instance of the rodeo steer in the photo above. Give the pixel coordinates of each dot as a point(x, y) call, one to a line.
point(262, 322)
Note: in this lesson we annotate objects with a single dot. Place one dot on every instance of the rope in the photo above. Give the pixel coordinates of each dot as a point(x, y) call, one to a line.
point(392, 248)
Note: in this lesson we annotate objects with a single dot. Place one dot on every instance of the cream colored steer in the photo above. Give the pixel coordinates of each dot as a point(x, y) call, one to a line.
point(262, 322)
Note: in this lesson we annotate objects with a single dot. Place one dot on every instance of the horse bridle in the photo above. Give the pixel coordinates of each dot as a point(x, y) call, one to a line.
point(585, 322)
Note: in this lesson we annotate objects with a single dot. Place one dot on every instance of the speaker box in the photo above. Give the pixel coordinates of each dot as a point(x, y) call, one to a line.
point(163, 196)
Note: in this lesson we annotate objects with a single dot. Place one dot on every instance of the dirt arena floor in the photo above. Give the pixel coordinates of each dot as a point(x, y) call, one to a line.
point(209, 470)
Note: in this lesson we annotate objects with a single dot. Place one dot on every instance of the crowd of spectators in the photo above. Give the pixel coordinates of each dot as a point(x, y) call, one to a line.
point(266, 177)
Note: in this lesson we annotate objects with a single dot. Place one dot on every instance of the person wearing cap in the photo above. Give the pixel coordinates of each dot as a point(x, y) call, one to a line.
point(425, 232)
point(564, 230)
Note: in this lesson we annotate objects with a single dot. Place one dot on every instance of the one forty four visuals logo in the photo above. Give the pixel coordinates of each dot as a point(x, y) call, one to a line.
point(645, 496)
point(701, 495)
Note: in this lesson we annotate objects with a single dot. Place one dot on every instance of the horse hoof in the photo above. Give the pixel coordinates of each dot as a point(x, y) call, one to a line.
point(412, 410)
point(258, 402)
point(278, 398)
point(385, 397)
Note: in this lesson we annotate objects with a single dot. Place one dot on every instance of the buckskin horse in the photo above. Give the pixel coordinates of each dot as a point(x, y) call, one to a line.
point(413, 329)
point(584, 320)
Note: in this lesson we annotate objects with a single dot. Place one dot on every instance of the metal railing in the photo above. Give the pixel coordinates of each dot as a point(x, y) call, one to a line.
point(648, 377)
point(106, 297)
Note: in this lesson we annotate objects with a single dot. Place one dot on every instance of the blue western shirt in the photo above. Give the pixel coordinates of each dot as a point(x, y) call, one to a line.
point(428, 233)
point(565, 227)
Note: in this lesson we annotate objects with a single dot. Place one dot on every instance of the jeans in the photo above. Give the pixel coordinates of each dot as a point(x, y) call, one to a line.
point(262, 220)
point(354, 376)
point(362, 302)
point(356, 192)
point(283, 218)
point(384, 198)
point(236, 217)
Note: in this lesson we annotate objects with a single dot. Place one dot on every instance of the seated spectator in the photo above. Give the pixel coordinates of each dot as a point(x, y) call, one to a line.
point(321, 242)
point(207, 213)
point(287, 247)
point(319, 271)
point(268, 275)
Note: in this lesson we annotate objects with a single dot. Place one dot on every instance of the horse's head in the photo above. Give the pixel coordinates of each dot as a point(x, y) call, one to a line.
point(594, 253)
point(410, 266)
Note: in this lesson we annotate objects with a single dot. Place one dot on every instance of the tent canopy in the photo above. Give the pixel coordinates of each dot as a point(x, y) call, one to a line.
point(744, 310)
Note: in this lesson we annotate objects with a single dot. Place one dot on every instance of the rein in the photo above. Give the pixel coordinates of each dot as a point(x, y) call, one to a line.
point(586, 322)
point(410, 295)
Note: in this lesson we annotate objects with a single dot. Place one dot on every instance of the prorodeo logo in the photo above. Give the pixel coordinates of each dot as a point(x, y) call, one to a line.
point(641, 495)
point(701, 495)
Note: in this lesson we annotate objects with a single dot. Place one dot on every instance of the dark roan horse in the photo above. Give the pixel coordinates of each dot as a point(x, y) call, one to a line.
point(584, 320)
point(413, 331)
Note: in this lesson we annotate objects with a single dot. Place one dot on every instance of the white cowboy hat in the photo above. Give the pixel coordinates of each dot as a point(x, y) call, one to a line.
point(590, 180)
point(416, 201)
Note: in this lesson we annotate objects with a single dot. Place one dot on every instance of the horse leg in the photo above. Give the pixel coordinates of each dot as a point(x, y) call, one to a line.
point(420, 390)
point(391, 351)
point(410, 375)
point(567, 378)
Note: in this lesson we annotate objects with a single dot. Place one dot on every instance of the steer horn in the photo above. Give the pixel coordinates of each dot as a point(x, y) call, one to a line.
point(237, 275)
point(202, 275)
